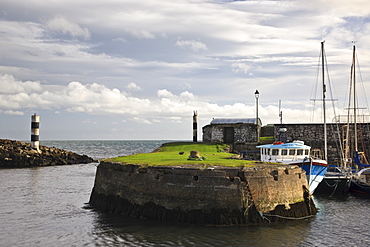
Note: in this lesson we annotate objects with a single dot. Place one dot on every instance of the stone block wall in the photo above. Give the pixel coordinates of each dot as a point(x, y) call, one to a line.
point(242, 133)
point(190, 195)
point(313, 135)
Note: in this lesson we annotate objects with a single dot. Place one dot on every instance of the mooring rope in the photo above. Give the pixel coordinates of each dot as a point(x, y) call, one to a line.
point(284, 217)
point(335, 183)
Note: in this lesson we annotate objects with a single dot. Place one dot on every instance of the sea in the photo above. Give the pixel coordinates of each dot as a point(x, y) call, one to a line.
point(48, 206)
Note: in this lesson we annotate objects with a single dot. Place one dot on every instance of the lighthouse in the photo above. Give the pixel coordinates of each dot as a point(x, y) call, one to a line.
point(35, 125)
point(195, 126)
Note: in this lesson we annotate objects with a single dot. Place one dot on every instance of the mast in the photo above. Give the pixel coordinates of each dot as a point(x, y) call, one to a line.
point(354, 97)
point(352, 87)
point(324, 101)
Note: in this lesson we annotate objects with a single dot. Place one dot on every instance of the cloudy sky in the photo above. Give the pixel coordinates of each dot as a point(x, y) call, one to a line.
point(128, 69)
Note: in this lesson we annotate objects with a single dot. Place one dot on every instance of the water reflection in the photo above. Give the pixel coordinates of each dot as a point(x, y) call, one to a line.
point(45, 207)
point(122, 230)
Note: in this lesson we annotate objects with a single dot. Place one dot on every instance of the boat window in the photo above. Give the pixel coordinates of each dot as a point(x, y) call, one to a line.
point(292, 152)
point(275, 151)
point(306, 152)
point(300, 152)
point(284, 152)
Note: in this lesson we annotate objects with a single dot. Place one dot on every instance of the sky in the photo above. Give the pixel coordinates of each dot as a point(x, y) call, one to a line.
point(137, 70)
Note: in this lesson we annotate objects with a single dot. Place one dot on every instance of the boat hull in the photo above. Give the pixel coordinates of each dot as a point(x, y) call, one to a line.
point(296, 153)
point(360, 182)
point(315, 173)
point(333, 185)
point(360, 188)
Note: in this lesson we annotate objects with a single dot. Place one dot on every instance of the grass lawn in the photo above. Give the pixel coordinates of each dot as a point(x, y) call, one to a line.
point(168, 155)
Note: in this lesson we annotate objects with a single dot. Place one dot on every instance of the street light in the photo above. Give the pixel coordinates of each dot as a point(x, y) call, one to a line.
point(257, 95)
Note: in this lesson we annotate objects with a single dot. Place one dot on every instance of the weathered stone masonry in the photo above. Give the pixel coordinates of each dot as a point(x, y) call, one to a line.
point(214, 196)
point(313, 135)
point(245, 136)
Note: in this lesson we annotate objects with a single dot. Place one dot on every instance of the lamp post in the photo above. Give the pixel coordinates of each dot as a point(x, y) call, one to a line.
point(257, 95)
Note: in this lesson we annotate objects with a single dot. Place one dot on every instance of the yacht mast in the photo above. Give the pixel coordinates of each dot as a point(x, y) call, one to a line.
point(354, 97)
point(324, 101)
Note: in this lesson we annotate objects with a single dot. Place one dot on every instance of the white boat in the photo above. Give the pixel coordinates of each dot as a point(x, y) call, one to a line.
point(296, 153)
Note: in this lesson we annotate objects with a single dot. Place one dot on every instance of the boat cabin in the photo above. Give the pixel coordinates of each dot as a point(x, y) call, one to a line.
point(284, 152)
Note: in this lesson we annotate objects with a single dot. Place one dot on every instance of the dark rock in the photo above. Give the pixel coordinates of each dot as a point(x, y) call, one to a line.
point(16, 154)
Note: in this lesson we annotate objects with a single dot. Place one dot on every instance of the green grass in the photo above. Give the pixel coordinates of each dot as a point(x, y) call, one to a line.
point(267, 138)
point(168, 155)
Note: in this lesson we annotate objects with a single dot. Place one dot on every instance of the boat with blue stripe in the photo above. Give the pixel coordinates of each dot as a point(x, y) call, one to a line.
point(296, 153)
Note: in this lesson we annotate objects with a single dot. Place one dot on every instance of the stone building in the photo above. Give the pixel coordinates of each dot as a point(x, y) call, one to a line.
point(232, 130)
point(244, 135)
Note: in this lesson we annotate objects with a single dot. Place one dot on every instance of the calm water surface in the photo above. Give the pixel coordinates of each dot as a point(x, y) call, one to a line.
point(47, 207)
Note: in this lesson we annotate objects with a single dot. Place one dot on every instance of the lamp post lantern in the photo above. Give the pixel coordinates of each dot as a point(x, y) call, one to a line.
point(257, 95)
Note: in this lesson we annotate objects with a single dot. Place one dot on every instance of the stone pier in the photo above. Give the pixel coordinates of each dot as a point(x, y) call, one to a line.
point(203, 195)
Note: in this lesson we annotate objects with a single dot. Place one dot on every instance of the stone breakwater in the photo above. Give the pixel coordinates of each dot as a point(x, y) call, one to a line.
point(16, 154)
point(205, 196)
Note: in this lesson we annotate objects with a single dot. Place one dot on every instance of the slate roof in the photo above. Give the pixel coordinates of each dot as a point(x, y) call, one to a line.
point(234, 121)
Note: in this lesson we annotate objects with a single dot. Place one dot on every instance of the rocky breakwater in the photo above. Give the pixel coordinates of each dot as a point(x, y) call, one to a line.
point(16, 154)
point(191, 194)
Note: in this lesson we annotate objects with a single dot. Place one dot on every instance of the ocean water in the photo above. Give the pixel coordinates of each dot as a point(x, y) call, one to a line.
point(47, 207)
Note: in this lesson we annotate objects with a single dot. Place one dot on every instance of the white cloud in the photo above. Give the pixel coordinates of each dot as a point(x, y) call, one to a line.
point(241, 67)
point(132, 86)
point(141, 120)
point(11, 86)
point(61, 24)
point(11, 112)
point(192, 44)
point(177, 56)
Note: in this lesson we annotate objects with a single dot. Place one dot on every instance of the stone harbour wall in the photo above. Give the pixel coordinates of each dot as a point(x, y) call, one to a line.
point(245, 137)
point(206, 196)
point(313, 135)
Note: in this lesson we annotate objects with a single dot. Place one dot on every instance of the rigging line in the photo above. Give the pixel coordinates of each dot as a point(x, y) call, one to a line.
point(335, 130)
point(362, 82)
point(367, 106)
point(348, 116)
point(361, 129)
point(334, 112)
point(314, 87)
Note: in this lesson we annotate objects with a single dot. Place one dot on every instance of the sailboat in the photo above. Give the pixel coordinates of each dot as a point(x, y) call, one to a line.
point(297, 153)
point(336, 178)
point(360, 179)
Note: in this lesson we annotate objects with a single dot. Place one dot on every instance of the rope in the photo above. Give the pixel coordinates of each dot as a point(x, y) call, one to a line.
point(263, 217)
point(360, 185)
point(335, 184)
point(284, 217)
